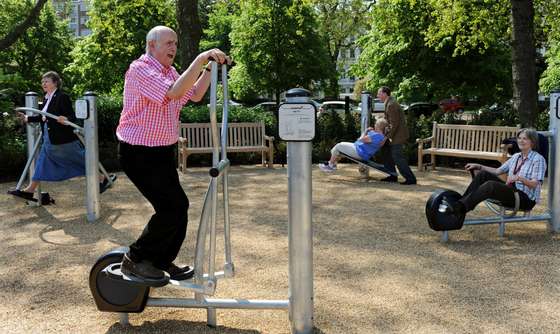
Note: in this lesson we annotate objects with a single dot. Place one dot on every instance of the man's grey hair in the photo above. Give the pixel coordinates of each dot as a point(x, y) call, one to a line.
point(154, 34)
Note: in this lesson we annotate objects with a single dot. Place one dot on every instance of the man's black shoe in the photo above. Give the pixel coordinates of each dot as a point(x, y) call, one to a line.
point(180, 273)
point(390, 178)
point(143, 272)
point(407, 182)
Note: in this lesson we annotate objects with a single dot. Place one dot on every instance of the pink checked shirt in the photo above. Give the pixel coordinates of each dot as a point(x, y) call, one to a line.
point(149, 117)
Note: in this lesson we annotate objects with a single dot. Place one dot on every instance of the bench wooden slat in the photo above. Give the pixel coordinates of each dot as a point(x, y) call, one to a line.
point(242, 137)
point(472, 141)
point(466, 154)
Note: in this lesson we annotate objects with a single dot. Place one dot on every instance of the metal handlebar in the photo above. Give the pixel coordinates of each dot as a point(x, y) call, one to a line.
point(46, 114)
point(220, 166)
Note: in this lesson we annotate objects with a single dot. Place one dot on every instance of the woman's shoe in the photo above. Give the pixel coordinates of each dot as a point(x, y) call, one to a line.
point(103, 186)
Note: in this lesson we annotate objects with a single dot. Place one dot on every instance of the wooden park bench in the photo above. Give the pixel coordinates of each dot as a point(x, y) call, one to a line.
point(242, 137)
point(466, 141)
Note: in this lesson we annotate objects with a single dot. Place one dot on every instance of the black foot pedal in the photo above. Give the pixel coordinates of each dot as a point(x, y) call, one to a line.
point(28, 198)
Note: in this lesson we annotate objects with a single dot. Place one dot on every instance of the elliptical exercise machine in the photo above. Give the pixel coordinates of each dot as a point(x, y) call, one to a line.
point(365, 166)
point(86, 110)
point(115, 292)
point(438, 220)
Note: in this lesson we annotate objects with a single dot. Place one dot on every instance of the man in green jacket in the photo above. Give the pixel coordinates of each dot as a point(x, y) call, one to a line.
point(397, 135)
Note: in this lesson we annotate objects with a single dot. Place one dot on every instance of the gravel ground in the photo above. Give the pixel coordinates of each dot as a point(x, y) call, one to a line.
point(378, 267)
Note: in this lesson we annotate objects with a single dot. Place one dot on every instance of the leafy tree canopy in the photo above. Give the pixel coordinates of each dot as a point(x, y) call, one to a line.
point(278, 45)
point(43, 47)
point(118, 37)
point(468, 25)
point(401, 51)
point(11, 35)
point(340, 23)
point(220, 22)
point(550, 26)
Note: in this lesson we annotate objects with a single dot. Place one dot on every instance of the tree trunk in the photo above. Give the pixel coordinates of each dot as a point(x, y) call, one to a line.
point(13, 35)
point(523, 62)
point(189, 31)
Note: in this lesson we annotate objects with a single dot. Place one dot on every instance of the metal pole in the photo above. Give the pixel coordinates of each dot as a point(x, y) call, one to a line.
point(228, 265)
point(300, 232)
point(26, 169)
point(364, 124)
point(92, 159)
point(33, 135)
point(554, 162)
point(247, 304)
point(211, 312)
point(123, 319)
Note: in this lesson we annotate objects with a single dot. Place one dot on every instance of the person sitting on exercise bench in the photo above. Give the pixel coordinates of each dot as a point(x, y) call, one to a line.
point(525, 174)
point(362, 149)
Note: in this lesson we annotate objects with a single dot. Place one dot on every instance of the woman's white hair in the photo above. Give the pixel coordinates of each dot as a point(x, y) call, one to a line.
point(154, 35)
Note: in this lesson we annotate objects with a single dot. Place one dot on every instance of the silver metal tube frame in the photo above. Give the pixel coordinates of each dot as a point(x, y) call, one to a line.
point(250, 304)
point(218, 170)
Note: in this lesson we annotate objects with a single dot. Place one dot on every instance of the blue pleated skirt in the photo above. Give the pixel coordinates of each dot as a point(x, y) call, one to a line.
point(59, 162)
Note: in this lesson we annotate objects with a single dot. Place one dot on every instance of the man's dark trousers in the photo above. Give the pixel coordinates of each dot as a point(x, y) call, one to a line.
point(153, 172)
point(393, 155)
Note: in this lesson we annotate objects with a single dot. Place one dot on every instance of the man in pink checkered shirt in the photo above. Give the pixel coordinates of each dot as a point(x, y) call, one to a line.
point(153, 96)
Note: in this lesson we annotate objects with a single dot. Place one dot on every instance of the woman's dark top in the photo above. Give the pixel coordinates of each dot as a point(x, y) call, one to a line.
point(61, 105)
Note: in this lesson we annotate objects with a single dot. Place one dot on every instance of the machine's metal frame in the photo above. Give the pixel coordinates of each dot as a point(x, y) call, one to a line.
point(87, 135)
point(552, 214)
point(204, 283)
point(365, 115)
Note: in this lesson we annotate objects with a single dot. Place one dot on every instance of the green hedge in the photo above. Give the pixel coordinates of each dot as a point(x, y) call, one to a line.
point(13, 148)
point(331, 128)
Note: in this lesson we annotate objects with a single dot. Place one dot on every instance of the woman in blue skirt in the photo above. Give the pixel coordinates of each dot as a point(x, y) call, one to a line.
point(62, 155)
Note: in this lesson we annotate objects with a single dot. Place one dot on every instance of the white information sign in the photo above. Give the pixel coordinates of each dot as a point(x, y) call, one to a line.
point(82, 110)
point(296, 122)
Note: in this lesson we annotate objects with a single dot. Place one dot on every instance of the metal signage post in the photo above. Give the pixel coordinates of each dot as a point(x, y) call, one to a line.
point(296, 125)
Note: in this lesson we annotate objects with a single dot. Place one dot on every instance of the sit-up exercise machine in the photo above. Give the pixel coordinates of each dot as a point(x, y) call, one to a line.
point(86, 110)
point(365, 117)
point(115, 292)
point(440, 221)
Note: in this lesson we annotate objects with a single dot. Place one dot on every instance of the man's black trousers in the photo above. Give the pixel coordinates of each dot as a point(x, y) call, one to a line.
point(153, 172)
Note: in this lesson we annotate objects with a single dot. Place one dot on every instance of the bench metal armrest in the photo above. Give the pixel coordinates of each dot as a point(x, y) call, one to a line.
point(182, 143)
